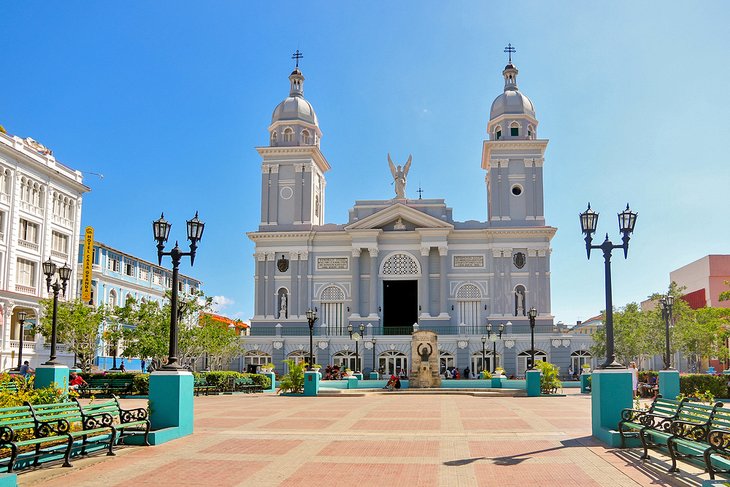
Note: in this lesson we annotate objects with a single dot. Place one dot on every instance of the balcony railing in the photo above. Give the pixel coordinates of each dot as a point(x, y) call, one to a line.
point(28, 245)
point(25, 289)
point(27, 344)
point(59, 254)
point(323, 331)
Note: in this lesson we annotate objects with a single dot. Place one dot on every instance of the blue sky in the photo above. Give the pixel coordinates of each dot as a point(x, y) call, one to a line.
point(168, 99)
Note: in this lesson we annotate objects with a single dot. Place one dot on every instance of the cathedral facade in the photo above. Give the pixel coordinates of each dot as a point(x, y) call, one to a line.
point(403, 264)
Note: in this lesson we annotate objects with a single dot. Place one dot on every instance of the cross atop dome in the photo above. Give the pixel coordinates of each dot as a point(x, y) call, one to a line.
point(299, 55)
point(509, 49)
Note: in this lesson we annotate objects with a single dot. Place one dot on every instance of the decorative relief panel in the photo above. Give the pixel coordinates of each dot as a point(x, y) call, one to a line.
point(401, 265)
point(469, 261)
point(332, 263)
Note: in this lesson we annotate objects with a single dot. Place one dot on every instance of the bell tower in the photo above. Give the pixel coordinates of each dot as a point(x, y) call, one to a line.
point(293, 167)
point(513, 157)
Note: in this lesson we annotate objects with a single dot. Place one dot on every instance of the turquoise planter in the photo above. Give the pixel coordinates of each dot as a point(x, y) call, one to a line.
point(584, 383)
point(497, 382)
point(533, 383)
point(669, 384)
point(45, 375)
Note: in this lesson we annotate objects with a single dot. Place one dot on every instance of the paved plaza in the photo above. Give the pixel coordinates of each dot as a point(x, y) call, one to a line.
point(376, 440)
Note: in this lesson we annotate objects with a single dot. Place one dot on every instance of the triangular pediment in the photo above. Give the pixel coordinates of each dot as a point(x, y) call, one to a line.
point(388, 219)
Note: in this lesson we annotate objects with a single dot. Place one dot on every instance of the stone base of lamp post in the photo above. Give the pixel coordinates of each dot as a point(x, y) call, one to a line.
point(374, 375)
point(533, 383)
point(272, 376)
point(352, 382)
point(311, 383)
point(669, 384)
point(171, 405)
point(611, 393)
point(496, 382)
point(45, 375)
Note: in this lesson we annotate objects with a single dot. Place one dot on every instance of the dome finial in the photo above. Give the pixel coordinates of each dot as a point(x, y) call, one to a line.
point(509, 49)
point(297, 55)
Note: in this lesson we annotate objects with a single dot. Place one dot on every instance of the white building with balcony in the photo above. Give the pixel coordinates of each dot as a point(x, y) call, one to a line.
point(40, 218)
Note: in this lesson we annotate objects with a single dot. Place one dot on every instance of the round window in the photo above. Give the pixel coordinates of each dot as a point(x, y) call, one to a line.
point(286, 192)
point(516, 190)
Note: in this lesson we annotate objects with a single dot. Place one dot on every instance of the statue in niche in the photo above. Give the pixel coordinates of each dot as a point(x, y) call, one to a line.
point(520, 300)
point(282, 306)
point(399, 176)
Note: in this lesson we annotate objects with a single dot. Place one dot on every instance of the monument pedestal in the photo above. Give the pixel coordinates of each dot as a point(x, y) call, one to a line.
point(611, 393)
point(45, 375)
point(425, 360)
point(669, 384)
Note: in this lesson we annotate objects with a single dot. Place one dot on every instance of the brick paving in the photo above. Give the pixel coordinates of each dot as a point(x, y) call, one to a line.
point(376, 440)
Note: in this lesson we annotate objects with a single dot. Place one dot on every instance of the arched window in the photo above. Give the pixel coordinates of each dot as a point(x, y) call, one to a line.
point(5, 180)
point(288, 135)
point(346, 359)
point(468, 298)
point(393, 362)
point(520, 301)
point(112, 299)
point(497, 132)
point(514, 129)
point(273, 137)
point(530, 132)
point(578, 358)
point(524, 358)
point(332, 300)
point(299, 356)
point(255, 357)
point(401, 265)
point(490, 363)
point(446, 360)
point(306, 137)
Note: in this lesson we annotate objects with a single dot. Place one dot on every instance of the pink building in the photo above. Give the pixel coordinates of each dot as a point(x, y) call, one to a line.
point(704, 280)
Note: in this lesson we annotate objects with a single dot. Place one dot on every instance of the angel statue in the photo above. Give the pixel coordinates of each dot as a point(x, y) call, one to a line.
point(399, 176)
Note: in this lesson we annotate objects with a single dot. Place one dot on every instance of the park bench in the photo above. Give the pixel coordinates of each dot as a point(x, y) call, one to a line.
point(106, 386)
point(124, 422)
point(243, 384)
point(9, 386)
point(200, 386)
point(659, 416)
point(695, 441)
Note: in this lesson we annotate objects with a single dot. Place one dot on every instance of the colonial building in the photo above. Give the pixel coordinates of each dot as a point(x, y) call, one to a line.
point(40, 215)
point(402, 264)
point(117, 276)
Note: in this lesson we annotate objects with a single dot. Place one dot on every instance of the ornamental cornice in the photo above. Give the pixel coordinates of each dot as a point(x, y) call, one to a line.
point(310, 150)
point(280, 235)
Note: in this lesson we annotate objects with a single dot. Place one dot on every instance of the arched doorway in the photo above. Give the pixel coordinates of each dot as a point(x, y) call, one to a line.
point(524, 358)
point(346, 359)
point(491, 362)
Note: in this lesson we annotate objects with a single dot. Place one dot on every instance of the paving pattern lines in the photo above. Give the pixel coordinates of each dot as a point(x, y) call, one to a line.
point(262, 440)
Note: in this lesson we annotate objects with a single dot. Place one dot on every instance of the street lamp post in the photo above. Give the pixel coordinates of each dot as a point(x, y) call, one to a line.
point(161, 231)
point(532, 315)
point(499, 332)
point(667, 303)
point(22, 316)
point(484, 348)
point(311, 318)
point(373, 342)
point(62, 275)
point(626, 224)
point(356, 338)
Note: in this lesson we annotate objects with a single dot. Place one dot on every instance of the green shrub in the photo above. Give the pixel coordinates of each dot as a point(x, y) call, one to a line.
point(549, 381)
point(293, 381)
point(224, 378)
point(27, 393)
point(141, 384)
point(715, 385)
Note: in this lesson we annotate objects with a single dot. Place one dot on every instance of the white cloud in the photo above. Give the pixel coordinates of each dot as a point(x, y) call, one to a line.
point(221, 302)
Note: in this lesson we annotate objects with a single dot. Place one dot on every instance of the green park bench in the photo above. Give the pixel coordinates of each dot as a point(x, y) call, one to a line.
point(106, 386)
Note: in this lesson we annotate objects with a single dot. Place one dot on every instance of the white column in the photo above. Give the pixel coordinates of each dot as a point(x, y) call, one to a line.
point(269, 298)
point(355, 271)
point(294, 285)
point(444, 294)
point(424, 291)
point(373, 281)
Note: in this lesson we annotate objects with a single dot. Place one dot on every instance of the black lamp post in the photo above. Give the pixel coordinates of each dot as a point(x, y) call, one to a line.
point(161, 231)
point(62, 274)
point(22, 315)
point(356, 337)
point(626, 223)
point(373, 342)
point(667, 303)
point(311, 318)
point(500, 330)
point(532, 314)
point(484, 348)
